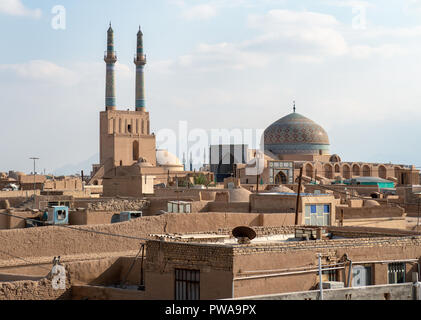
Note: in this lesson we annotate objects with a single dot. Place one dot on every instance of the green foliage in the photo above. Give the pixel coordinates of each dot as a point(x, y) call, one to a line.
point(201, 180)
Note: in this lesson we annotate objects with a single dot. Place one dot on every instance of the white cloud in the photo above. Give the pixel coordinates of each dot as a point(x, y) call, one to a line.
point(412, 7)
point(349, 3)
point(299, 36)
point(17, 8)
point(41, 70)
point(298, 33)
point(398, 33)
point(200, 12)
point(385, 51)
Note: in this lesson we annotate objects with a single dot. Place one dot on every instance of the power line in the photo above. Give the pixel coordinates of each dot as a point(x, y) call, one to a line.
point(27, 261)
point(78, 229)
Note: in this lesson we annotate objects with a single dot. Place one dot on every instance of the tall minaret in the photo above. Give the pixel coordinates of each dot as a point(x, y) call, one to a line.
point(140, 62)
point(110, 59)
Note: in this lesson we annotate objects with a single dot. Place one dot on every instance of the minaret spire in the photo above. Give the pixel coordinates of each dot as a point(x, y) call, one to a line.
point(110, 59)
point(293, 108)
point(140, 62)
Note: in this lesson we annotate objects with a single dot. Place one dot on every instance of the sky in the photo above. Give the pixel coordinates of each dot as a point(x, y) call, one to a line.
point(351, 66)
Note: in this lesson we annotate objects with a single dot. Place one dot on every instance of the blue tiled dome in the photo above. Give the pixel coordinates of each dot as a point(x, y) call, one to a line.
point(296, 134)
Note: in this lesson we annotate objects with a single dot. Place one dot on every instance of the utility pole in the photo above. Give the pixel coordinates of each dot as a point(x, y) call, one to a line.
point(257, 173)
point(35, 159)
point(418, 219)
point(320, 276)
point(298, 195)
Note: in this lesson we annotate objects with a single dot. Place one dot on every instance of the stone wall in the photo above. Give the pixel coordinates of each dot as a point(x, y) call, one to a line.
point(371, 212)
point(403, 291)
point(55, 240)
point(32, 290)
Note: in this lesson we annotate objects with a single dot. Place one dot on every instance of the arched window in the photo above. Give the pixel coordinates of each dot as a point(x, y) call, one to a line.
point(281, 178)
point(328, 171)
point(337, 168)
point(355, 170)
point(309, 170)
point(366, 171)
point(110, 126)
point(135, 150)
point(382, 172)
point(346, 171)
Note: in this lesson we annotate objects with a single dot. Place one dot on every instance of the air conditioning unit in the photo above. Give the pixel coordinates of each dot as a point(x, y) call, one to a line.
point(332, 285)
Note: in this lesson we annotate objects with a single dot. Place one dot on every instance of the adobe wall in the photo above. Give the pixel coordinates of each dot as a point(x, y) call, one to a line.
point(4, 220)
point(18, 193)
point(32, 290)
point(249, 262)
point(70, 184)
point(272, 203)
point(89, 217)
point(229, 207)
point(393, 292)
point(372, 212)
point(54, 240)
point(83, 292)
point(398, 223)
point(214, 263)
point(7, 222)
point(161, 204)
point(8, 277)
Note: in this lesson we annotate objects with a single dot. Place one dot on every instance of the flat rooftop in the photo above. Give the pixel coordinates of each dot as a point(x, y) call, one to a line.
point(293, 236)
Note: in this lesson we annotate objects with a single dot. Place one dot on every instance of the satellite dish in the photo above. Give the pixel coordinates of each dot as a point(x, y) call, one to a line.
point(244, 234)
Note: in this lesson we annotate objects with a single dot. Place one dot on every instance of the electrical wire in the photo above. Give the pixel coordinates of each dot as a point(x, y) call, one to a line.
point(27, 261)
point(77, 229)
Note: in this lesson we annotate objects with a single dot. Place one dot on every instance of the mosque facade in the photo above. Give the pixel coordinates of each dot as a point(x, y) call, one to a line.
point(130, 164)
point(295, 142)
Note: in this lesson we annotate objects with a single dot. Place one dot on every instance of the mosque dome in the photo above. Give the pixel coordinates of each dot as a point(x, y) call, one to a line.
point(296, 134)
point(166, 158)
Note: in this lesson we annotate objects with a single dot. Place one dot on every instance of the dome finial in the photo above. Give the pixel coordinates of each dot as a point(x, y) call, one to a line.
point(294, 106)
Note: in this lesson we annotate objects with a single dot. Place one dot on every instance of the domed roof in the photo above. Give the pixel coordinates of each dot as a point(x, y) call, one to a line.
point(371, 203)
point(239, 195)
point(281, 189)
point(166, 158)
point(294, 134)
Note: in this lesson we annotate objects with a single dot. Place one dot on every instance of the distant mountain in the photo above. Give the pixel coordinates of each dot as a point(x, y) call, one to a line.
point(71, 169)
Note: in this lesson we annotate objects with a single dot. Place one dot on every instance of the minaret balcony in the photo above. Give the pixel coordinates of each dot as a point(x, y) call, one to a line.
point(140, 59)
point(110, 56)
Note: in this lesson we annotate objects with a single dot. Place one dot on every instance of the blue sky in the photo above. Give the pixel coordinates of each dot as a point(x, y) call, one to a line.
point(215, 64)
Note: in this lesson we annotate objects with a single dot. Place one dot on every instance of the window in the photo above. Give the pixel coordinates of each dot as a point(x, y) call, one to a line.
point(61, 215)
point(396, 272)
point(317, 214)
point(187, 284)
point(329, 275)
point(129, 128)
